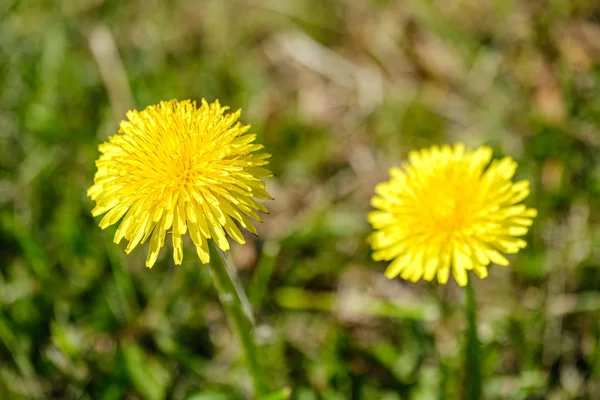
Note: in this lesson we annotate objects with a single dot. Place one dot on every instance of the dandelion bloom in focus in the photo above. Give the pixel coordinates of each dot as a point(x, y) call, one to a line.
point(445, 210)
point(176, 168)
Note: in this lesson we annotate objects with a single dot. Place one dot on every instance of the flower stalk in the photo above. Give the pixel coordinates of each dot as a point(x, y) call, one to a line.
point(238, 310)
point(473, 347)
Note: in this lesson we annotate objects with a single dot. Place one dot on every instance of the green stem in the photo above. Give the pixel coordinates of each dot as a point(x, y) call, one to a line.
point(237, 308)
point(473, 348)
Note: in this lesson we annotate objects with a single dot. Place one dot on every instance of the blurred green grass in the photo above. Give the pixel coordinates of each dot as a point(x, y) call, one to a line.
point(337, 91)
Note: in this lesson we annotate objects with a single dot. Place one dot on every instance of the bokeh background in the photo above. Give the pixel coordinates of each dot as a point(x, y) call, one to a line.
point(337, 91)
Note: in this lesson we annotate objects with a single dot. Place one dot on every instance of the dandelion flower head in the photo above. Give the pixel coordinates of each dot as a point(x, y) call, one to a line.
point(446, 211)
point(177, 167)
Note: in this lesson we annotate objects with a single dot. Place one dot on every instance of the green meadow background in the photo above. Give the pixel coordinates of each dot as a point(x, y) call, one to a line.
point(338, 91)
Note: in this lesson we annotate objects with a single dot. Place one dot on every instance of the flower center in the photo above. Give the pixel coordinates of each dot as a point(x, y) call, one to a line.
point(448, 215)
point(181, 170)
point(186, 176)
point(447, 207)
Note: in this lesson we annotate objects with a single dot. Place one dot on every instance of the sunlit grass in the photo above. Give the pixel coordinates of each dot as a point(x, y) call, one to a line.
point(338, 92)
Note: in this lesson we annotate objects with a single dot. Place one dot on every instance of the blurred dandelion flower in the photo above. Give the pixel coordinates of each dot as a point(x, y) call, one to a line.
point(181, 167)
point(445, 211)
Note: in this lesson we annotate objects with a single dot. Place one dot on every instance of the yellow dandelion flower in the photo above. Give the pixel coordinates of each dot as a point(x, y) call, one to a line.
point(175, 166)
point(445, 211)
